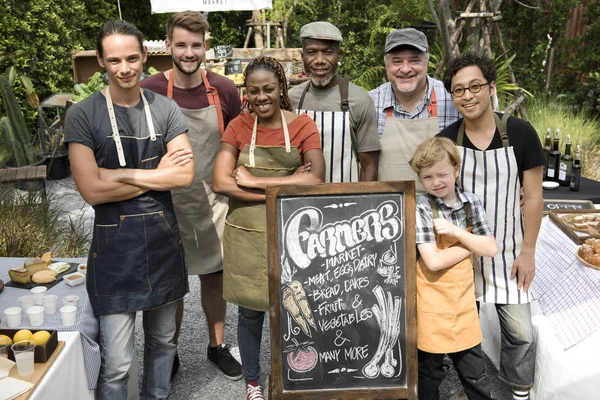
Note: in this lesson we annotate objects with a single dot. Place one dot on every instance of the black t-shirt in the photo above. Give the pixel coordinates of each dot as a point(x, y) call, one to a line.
point(521, 136)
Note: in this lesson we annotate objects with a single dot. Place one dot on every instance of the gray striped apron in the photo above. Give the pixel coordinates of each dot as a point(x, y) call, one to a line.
point(493, 176)
point(341, 161)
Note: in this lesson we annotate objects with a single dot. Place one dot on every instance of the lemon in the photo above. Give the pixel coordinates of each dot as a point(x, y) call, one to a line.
point(5, 339)
point(23, 334)
point(40, 338)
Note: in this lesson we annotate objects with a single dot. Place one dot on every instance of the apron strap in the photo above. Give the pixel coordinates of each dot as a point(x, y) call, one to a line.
point(303, 94)
point(344, 83)
point(211, 93)
point(432, 108)
point(286, 136)
point(500, 125)
point(115, 127)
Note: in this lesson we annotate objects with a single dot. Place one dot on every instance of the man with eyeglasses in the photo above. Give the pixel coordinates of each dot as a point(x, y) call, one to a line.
point(500, 156)
point(411, 106)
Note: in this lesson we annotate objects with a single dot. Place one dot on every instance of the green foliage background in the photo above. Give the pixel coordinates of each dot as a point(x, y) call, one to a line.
point(52, 29)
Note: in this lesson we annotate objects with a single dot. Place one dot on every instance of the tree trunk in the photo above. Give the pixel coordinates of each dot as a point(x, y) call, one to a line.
point(258, 29)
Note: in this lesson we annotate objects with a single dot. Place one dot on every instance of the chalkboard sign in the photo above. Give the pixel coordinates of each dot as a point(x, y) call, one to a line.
point(567, 205)
point(233, 67)
point(342, 290)
point(223, 51)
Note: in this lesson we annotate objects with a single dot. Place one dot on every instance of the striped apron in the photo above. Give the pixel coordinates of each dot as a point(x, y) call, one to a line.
point(493, 176)
point(341, 161)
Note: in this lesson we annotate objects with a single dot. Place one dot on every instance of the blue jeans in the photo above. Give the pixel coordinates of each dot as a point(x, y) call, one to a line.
point(250, 326)
point(517, 345)
point(117, 350)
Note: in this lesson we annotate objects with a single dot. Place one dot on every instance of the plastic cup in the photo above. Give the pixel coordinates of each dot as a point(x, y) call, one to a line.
point(4, 346)
point(38, 292)
point(13, 316)
point(49, 304)
point(26, 302)
point(36, 315)
point(68, 315)
point(71, 300)
point(24, 355)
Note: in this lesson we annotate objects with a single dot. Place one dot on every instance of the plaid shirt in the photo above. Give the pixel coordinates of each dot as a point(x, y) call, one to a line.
point(457, 215)
point(384, 98)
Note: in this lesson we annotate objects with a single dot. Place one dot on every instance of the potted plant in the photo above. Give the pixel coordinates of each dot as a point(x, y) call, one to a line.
point(17, 138)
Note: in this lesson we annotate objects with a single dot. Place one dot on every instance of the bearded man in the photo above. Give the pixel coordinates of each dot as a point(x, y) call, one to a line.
point(344, 112)
point(411, 106)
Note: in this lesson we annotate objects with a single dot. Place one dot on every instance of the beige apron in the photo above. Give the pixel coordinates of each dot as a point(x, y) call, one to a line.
point(399, 141)
point(245, 263)
point(447, 318)
point(200, 211)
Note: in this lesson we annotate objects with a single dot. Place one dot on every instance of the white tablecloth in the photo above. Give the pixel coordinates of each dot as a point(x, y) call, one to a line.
point(566, 318)
point(559, 374)
point(66, 379)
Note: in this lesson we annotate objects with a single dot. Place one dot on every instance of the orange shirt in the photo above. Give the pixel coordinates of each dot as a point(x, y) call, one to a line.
point(304, 134)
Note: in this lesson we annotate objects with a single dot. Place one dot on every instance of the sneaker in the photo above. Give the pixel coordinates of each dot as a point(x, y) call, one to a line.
point(254, 391)
point(221, 358)
point(175, 367)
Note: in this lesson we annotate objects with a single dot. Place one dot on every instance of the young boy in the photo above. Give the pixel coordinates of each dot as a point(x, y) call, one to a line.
point(451, 225)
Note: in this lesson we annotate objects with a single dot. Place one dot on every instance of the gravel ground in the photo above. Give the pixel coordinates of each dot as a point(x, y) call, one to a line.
point(197, 378)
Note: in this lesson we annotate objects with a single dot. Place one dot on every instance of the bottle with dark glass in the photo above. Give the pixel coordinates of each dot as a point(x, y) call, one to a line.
point(576, 171)
point(547, 148)
point(554, 158)
point(565, 165)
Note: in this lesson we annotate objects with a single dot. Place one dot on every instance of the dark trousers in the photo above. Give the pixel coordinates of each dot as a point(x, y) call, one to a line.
point(470, 366)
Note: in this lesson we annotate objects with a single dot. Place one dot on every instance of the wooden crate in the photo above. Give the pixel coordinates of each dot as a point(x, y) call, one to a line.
point(42, 353)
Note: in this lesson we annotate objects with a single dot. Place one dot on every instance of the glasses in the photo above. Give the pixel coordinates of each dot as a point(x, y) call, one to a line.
point(473, 88)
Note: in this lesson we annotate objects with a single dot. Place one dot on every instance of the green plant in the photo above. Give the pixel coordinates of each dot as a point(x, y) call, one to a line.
point(583, 128)
point(31, 224)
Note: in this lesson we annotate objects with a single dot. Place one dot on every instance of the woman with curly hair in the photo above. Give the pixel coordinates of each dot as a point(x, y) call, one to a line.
point(266, 145)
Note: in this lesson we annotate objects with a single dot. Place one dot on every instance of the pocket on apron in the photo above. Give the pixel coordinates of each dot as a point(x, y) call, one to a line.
point(124, 269)
point(105, 234)
point(150, 163)
point(246, 252)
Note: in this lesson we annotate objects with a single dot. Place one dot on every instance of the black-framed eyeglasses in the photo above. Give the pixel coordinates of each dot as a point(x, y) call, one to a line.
point(473, 88)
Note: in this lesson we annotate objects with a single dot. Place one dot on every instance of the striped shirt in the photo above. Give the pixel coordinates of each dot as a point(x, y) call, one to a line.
point(457, 215)
point(384, 98)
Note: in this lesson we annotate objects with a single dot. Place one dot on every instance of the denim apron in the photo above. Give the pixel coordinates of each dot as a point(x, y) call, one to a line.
point(245, 261)
point(447, 317)
point(400, 139)
point(136, 259)
point(201, 212)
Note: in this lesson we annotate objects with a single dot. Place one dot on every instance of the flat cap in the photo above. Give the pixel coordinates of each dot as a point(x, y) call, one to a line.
point(321, 30)
point(406, 37)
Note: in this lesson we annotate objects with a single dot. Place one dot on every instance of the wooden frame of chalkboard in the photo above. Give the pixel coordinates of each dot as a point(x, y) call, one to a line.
point(342, 291)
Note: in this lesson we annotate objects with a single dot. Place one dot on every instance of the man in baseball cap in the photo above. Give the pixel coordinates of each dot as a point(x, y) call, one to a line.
point(346, 112)
point(411, 106)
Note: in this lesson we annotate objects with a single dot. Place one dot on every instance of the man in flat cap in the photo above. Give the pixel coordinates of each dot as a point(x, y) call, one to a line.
point(411, 106)
point(342, 110)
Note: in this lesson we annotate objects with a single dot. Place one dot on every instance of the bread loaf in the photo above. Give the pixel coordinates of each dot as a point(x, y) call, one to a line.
point(19, 275)
point(33, 268)
point(45, 276)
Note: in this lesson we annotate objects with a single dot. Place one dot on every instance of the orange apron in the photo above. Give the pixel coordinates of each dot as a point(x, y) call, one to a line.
point(447, 318)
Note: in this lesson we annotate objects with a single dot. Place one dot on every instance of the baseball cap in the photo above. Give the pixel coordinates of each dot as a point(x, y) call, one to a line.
point(321, 30)
point(406, 37)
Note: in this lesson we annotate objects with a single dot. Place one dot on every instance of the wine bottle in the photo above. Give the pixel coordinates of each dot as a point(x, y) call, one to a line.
point(576, 171)
point(547, 148)
point(554, 158)
point(565, 165)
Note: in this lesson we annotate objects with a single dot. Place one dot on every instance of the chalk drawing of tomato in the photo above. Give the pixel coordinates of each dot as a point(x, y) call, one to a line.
point(301, 357)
